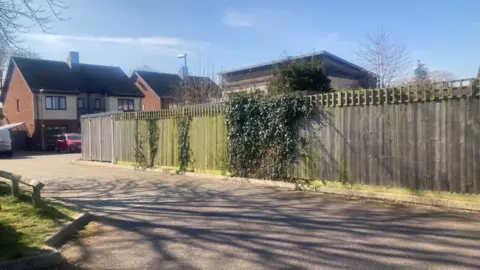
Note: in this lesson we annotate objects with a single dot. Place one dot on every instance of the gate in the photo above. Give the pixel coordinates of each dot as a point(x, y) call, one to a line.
point(98, 135)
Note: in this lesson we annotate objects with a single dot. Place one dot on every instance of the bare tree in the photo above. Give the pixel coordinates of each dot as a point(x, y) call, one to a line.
point(146, 68)
point(196, 90)
point(17, 16)
point(5, 56)
point(385, 57)
point(441, 76)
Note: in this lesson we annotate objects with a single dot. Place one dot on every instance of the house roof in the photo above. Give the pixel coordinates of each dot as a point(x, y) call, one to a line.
point(58, 76)
point(200, 79)
point(163, 84)
point(303, 56)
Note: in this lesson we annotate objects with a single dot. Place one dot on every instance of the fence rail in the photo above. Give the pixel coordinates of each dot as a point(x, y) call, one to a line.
point(200, 110)
point(401, 94)
point(15, 181)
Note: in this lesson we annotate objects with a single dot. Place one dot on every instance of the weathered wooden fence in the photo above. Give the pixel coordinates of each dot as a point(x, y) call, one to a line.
point(420, 137)
point(424, 137)
point(98, 136)
point(206, 137)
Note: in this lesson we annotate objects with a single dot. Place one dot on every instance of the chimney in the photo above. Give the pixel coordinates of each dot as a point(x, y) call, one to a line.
point(73, 59)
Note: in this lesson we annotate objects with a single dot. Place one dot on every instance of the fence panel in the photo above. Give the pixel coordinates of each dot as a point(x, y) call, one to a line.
point(125, 141)
point(97, 137)
point(421, 146)
point(85, 127)
point(167, 155)
point(208, 144)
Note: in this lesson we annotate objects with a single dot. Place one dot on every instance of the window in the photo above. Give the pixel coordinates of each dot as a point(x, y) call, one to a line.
point(18, 105)
point(98, 103)
point(125, 104)
point(80, 103)
point(55, 103)
point(74, 137)
point(53, 130)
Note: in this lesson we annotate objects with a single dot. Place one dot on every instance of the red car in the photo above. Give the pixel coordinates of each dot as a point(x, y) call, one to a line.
point(70, 142)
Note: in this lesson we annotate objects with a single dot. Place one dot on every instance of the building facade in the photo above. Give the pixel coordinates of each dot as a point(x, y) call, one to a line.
point(50, 96)
point(343, 74)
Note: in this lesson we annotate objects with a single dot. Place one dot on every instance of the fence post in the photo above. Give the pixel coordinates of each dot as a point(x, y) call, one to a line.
point(136, 139)
point(113, 139)
point(474, 86)
point(15, 187)
point(36, 198)
point(90, 138)
point(101, 138)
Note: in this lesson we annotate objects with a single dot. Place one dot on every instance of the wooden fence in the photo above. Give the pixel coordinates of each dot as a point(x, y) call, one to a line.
point(98, 136)
point(423, 137)
point(206, 137)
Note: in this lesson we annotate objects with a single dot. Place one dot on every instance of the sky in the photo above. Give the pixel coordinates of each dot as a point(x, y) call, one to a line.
point(227, 34)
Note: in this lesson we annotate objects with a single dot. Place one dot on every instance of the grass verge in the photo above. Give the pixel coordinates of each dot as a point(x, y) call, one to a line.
point(397, 190)
point(24, 228)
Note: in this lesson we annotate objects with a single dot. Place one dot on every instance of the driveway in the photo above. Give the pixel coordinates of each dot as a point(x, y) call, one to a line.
point(151, 221)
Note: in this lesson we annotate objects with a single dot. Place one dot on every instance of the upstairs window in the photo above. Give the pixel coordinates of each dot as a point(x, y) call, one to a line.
point(55, 103)
point(80, 103)
point(98, 103)
point(125, 104)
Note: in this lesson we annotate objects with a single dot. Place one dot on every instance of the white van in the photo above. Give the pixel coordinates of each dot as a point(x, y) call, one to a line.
point(5, 143)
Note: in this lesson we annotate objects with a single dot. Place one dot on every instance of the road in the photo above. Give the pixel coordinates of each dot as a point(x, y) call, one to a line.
point(152, 221)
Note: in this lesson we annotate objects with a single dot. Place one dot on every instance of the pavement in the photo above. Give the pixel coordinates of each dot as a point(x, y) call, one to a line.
point(149, 220)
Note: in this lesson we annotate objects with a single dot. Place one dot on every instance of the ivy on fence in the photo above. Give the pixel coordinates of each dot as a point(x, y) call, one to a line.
point(183, 142)
point(262, 134)
point(138, 149)
point(152, 140)
point(143, 158)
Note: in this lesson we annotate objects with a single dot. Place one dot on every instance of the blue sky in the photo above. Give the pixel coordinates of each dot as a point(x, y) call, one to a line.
point(220, 35)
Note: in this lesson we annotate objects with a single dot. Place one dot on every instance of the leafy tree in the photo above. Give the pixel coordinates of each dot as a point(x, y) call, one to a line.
point(421, 73)
point(300, 75)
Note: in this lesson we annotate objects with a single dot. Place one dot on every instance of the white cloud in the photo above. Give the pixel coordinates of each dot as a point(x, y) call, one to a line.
point(127, 52)
point(172, 44)
point(238, 19)
point(154, 41)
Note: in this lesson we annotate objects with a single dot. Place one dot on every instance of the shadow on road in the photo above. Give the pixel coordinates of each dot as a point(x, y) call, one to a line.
point(191, 223)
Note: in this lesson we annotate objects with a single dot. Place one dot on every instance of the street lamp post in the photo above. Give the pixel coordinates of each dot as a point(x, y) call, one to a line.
point(185, 69)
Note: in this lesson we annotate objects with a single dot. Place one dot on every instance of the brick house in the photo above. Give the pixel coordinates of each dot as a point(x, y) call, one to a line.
point(159, 88)
point(343, 74)
point(156, 87)
point(50, 96)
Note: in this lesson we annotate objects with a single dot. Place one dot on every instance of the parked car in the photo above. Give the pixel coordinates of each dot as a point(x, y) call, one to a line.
point(69, 142)
point(5, 143)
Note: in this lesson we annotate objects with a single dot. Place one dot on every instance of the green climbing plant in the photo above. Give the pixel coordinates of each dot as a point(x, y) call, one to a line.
point(146, 159)
point(183, 143)
point(138, 149)
point(152, 141)
point(262, 134)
